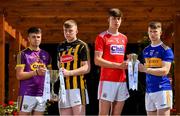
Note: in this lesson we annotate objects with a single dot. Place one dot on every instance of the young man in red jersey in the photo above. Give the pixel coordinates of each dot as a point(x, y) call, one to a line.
point(110, 49)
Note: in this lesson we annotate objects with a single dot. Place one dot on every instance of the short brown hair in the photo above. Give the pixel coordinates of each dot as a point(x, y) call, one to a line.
point(155, 25)
point(115, 12)
point(34, 30)
point(70, 23)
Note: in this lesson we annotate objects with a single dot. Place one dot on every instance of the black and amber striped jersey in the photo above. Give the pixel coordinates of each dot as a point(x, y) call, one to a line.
point(70, 57)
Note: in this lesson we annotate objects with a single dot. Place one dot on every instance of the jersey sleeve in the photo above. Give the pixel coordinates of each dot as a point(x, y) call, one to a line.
point(168, 55)
point(58, 55)
point(99, 44)
point(49, 66)
point(126, 40)
point(84, 53)
point(21, 60)
point(59, 51)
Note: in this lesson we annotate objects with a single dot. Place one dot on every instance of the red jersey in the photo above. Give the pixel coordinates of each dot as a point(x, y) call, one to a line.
point(113, 47)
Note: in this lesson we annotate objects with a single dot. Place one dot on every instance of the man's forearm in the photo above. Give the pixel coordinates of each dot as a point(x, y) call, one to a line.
point(80, 71)
point(26, 75)
point(157, 71)
point(106, 64)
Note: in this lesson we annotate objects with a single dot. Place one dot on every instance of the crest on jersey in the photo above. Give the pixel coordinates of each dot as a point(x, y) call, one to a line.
point(117, 49)
point(66, 58)
point(44, 57)
point(156, 54)
point(151, 52)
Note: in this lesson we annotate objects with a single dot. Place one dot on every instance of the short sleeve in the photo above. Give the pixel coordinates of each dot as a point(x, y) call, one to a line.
point(49, 62)
point(21, 60)
point(168, 55)
point(99, 44)
point(84, 53)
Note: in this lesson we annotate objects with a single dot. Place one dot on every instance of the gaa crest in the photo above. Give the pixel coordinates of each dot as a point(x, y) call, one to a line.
point(25, 106)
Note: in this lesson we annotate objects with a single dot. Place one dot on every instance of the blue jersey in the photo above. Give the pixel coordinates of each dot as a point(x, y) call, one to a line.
point(154, 56)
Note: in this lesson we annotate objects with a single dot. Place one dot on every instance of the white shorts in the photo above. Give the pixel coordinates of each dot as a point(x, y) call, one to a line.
point(30, 103)
point(75, 97)
point(158, 100)
point(113, 91)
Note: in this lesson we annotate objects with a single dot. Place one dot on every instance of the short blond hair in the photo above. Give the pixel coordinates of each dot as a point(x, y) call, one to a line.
point(69, 23)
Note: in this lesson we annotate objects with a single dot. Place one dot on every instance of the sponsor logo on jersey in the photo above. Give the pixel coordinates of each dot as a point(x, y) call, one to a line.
point(36, 65)
point(153, 62)
point(67, 58)
point(117, 49)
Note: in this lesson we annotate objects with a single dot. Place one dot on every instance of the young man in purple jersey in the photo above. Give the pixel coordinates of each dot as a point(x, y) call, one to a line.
point(158, 58)
point(31, 66)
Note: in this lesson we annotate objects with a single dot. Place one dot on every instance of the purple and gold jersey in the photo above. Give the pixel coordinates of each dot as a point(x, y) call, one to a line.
point(30, 60)
point(154, 56)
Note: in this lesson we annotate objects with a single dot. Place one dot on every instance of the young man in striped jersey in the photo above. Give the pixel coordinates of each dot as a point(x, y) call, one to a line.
point(74, 60)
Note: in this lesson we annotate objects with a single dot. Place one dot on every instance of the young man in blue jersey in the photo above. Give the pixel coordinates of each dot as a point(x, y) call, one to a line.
point(158, 58)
